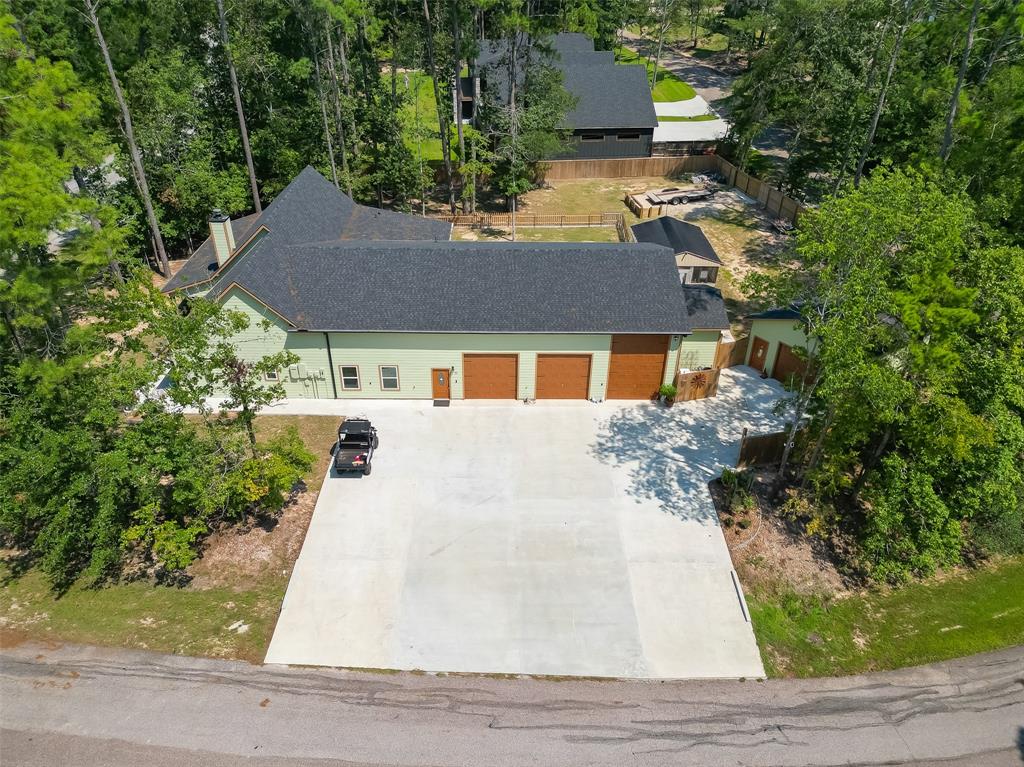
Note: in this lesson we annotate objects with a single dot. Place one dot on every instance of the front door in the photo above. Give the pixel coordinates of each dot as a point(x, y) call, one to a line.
point(441, 385)
point(758, 354)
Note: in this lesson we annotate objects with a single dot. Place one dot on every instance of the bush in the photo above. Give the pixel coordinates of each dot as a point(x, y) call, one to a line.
point(668, 391)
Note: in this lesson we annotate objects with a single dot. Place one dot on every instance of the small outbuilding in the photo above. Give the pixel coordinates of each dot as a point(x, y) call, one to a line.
point(696, 258)
point(774, 334)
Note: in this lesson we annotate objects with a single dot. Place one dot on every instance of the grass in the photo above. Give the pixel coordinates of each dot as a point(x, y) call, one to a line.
point(959, 614)
point(235, 619)
point(543, 234)
point(667, 88)
point(419, 116)
point(685, 119)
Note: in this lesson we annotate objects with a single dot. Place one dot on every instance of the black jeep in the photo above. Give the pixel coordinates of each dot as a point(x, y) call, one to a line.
point(357, 440)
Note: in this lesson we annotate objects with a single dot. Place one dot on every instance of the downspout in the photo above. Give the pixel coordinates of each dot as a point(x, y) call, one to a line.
point(330, 362)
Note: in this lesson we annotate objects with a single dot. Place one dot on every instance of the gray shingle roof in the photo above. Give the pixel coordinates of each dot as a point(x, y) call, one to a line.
point(706, 307)
point(681, 236)
point(310, 209)
point(470, 287)
point(202, 264)
point(791, 312)
point(608, 95)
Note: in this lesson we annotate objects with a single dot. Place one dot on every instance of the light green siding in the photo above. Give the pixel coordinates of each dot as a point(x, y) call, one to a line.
point(698, 349)
point(668, 375)
point(312, 377)
point(416, 354)
point(774, 331)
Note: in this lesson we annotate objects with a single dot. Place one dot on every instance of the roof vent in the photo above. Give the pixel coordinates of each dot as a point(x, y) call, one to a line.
point(222, 236)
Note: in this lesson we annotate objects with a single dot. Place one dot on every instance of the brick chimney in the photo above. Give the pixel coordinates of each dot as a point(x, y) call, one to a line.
point(222, 236)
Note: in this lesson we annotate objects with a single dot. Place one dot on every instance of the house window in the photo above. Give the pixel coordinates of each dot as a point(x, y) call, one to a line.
point(389, 378)
point(272, 375)
point(703, 275)
point(629, 137)
point(591, 137)
point(349, 377)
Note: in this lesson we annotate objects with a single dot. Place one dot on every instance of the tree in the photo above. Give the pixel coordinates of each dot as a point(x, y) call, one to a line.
point(138, 171)
point(50, 251)
point(237, 95)
point(909, 411)
point(441, 121)
point(201, 351)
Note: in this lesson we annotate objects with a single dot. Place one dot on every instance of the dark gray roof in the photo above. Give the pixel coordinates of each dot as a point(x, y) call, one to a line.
point(309, 210)
point(202, 264)
point(791, 312)
point(681, 236)
point(608, 95)
point(469, 287)
point(706, 307)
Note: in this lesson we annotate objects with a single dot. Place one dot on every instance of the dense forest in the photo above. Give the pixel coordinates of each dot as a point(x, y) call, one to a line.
point(123, 123)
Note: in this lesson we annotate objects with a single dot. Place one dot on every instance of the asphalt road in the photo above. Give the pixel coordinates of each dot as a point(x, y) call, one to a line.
point(84, 706)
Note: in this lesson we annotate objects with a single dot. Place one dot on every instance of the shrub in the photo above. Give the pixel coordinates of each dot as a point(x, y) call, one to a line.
point(668, 391)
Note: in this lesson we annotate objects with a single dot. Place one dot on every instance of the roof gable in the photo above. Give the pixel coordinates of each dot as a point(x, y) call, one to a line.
point(680, 236)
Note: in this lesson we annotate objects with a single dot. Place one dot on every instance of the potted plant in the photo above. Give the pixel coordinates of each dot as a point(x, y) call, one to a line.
point(667, 394)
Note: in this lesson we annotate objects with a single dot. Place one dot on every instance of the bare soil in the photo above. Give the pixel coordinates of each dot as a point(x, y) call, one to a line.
point(771, 550)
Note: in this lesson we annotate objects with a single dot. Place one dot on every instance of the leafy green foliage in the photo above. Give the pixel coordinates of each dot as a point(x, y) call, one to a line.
point(916, 417)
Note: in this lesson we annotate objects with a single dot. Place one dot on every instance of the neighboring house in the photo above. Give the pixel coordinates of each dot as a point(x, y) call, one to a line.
point(773, 335)
point(614, 114)
point(381, 304)
point(695, 257)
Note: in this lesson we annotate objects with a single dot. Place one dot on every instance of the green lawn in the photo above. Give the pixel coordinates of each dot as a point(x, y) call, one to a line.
point(667, 88)
point(232, 616)
point(960, 614)
point(419, 116)
point(684, 119)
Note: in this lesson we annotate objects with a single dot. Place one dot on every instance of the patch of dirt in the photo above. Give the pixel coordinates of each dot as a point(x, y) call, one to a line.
point(771, 550)
point(233, 556)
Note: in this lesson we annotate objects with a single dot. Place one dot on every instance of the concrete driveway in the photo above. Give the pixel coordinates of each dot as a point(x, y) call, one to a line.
point(564, 539)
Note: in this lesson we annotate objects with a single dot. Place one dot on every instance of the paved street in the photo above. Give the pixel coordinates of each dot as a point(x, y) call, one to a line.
point(556, 538)
point(88, 707)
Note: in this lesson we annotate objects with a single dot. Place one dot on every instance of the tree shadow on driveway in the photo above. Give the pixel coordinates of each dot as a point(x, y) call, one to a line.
point(672, 453)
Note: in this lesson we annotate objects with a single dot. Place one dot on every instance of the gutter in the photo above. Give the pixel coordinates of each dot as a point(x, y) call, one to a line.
point(330, 361)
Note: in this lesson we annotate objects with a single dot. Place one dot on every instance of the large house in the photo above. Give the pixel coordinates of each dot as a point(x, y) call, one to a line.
point(613, 116)
point(381, 304)
point(696, 258)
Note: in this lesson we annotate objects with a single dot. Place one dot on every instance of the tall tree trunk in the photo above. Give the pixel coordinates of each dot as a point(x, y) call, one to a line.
point(446, 150)
point(819, 445)
point(321, 96)
point(12, 332)
point(346, 81)
point(880, 103)
point(457, 68)
point(803, 401)
point(954, 101)
point(869, 464)
point(869, 84)
point(237, 95)
point(129, 134)
point(339, 118)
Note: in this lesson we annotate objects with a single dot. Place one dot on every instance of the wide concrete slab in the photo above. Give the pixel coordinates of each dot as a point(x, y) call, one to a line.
point(566, 539)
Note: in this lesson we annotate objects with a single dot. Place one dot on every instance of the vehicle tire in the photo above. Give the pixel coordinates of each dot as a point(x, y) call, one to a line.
point(366, 471)
point(376, 441)
point(674, 201)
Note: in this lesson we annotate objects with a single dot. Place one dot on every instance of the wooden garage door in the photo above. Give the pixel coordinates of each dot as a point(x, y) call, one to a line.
point(490, 376)
point(563, 376)
point(788, 365)
point(636, 367)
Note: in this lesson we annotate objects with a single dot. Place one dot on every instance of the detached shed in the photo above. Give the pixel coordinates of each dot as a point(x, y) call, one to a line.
point(696, 258)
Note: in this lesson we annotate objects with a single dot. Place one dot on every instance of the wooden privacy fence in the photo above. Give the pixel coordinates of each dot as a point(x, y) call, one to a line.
point(766, 449)
point(773, 200)
point(696, 385)
point(731, 353)
point(504, 220)
point(564, 170)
